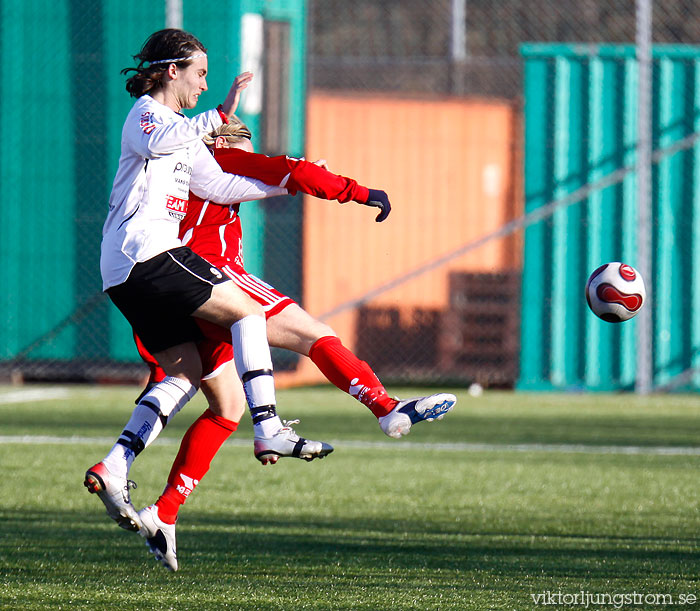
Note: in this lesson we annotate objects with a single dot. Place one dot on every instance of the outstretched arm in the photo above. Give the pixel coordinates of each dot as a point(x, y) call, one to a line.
point(300, 175)
point(209, 181)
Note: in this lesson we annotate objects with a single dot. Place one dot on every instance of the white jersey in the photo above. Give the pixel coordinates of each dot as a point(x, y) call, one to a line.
point(162, 159)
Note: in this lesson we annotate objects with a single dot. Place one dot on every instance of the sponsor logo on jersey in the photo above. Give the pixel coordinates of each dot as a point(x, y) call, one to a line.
point(146, 122)
point(177, 207)
point(183, 167)
point(239, 256)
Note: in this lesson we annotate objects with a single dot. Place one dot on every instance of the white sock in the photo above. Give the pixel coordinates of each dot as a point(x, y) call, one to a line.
point(155, 409)
point(267, 427)
point(254, 365)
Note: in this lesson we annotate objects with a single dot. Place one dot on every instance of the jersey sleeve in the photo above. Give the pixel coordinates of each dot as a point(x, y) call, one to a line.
point(150, 136)
point(309, 178)
point(209, 181)
point(293, 174)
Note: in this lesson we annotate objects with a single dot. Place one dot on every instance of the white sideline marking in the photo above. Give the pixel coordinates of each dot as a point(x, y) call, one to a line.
point(36, 394)
point(384, 445)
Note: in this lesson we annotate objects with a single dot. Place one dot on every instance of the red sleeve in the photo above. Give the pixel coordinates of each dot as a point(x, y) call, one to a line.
point(222, 114)
point(309, 178)
point(300, 175)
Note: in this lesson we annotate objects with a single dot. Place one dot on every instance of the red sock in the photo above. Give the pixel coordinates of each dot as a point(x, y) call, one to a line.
point(351, 375)
point(199, 445)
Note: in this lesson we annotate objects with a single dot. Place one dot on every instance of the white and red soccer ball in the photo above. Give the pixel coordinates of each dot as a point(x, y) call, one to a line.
point(615, 292)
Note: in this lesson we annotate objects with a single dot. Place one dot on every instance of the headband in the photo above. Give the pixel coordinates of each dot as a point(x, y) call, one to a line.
point(174, 61)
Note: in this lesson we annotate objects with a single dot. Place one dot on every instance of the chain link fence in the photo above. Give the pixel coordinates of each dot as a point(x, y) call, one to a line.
point(487, 329)
point(466, 47)
point(424, 98)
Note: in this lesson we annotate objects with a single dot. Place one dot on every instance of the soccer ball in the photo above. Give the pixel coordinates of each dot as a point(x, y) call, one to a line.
point(615, 292)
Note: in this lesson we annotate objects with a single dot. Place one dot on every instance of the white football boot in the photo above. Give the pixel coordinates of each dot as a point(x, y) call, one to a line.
point(398, 421)
point(285, 442)
point(114, 493)
point(160, 537)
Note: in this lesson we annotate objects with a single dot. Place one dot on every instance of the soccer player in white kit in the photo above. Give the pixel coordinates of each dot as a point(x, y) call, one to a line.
point(156, 282)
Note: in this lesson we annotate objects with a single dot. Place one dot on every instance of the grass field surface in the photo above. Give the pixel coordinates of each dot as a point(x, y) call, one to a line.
point(513, 501)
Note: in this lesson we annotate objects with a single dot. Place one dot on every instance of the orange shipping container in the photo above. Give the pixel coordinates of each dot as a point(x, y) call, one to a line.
point(450, 168)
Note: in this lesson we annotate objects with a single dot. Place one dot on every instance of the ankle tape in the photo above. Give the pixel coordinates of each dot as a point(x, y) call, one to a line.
point(250, 375)
point(131, 441)
point(264, 412)
point(154, 408)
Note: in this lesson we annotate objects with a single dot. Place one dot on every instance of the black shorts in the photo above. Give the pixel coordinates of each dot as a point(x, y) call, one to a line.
point(160, 295)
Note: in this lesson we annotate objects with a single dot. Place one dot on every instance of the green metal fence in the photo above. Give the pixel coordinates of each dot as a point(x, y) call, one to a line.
point(580, 126)
point(62, 112)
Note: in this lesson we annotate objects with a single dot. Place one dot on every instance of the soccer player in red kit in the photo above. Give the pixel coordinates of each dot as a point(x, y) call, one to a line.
point(214, 232)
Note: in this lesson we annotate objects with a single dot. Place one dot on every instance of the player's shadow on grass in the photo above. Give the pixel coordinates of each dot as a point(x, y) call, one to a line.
point(410, 543)
point(35, 538)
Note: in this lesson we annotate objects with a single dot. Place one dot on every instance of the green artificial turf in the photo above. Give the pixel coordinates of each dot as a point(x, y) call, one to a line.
point(510, 496)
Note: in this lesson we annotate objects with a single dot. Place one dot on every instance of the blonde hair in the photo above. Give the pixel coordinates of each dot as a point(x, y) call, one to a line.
point(234, 131)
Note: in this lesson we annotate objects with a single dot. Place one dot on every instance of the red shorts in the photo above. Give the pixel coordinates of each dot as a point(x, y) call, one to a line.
point(267, 296)
point(215, 349)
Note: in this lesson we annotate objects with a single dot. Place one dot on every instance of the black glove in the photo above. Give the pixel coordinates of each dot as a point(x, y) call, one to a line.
point(379, 199)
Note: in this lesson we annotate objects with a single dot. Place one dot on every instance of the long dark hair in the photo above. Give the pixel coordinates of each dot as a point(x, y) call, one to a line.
point(170, 43)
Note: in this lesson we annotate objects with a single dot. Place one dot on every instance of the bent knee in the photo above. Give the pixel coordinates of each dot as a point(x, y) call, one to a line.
point(252, 308)
point(323, 330)
point(315, 332)
point(230, 303)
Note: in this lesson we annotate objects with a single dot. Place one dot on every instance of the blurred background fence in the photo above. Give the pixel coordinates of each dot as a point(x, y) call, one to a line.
point(494, 127)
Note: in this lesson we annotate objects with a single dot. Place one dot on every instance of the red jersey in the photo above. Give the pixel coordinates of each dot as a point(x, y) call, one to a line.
point(214, 231)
